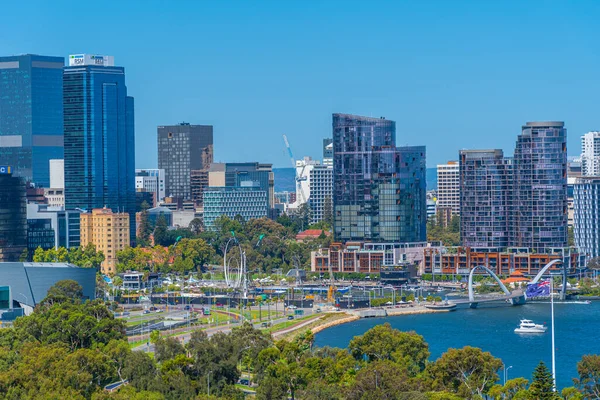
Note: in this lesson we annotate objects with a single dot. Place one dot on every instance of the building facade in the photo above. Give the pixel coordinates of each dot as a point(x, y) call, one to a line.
point(249, 202)
point(99, 157)
point(181, 149)
point(540, 208)
point(590, 154)
point(31, 115)
point(53, 226)
point(586, 204)
point(13, 216)
point(485, 198)
point(321, 193)
point(378, 189)
point(108, 231)
point(461, 260)
point(151, 180)
point(448, 186)
point(328, 151)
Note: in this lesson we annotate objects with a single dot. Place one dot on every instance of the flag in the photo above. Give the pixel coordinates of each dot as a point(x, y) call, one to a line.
point(538, 289)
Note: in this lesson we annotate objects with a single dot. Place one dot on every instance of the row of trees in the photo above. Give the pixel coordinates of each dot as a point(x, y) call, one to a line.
point(69, 349)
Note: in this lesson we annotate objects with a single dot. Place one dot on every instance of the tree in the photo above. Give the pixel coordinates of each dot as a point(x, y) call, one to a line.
point(594, 263)
point(65, 290)
point(145, 229)
point(468, 371)
point(382, 342)
point(542, 386)
point(379, 380)
point(160, 231)
point(513, 388)
point(190, 255)
point(589, 375)
point(195, 226)
point(570, 236)
point(24, 256)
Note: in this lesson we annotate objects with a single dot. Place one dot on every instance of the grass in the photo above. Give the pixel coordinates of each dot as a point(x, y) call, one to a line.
point(286, 324)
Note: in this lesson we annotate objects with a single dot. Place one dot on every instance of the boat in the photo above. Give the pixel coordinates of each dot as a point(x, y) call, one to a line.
point(446, 305)
point(528, 326)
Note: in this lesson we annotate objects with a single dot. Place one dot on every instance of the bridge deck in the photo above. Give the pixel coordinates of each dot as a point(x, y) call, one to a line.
point(513, 295)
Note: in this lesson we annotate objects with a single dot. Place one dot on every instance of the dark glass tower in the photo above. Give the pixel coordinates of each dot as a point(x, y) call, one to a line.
point(540, 187)
point(31, 115)
point(99, 137)
point(378, 190)
point(182, 149)
point(13, 216)
point(485, 198)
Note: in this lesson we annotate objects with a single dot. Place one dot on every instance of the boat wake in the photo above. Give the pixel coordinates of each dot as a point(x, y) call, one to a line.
point(562, 302)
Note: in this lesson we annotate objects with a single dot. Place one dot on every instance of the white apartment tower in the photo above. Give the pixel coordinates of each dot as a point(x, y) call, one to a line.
point(448, 187)
point(590, 154)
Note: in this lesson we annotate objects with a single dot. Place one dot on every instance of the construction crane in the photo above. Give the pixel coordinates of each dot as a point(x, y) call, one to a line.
point(299, 176)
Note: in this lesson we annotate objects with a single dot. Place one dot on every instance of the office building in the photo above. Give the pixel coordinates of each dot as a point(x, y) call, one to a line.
point(328, 151)
point(31, 115)
point(573, 173)
point(586, 205)
point(13, 216)
point(249, 174)
point(303, 170)
point(590, 154)
point(540, 187)
point(55, 193)
point(108, 231)
point(448, 186)
point(485, 179)
point(198, 182)
point(248, 201)
point(151, 180)
point(51, 227)
point(321, 193)
point(181, 149)
point(378, 189)
point(99, 160)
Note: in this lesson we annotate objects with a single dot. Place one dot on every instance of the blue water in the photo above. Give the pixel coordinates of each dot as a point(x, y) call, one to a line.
point(577, 332)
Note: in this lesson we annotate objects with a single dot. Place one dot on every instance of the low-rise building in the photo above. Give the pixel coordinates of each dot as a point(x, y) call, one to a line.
point(249, 202)
point(461, 260)
point(108, 231)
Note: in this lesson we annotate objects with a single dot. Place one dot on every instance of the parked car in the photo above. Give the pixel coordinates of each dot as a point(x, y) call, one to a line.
point(290, 317)
point(265, 324)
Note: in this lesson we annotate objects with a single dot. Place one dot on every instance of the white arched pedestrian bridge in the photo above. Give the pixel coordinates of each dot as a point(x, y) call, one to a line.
point(515, 298)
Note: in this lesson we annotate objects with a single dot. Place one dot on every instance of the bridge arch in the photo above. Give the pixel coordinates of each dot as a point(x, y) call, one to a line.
point(493, 275)
point(546, 267)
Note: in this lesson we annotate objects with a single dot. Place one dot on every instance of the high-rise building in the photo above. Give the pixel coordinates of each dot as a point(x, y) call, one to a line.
point(327, 151)
point(540, 187)
point(378, 189)
point(198, 182)
point(99, 157)
point(321, 193)
point(240, 174)
point(573, 172)
point(57, 174)
point(303, 171)
point(51, 227)
point(586, 204)
point(590, 154)
point(181, 149)
point(108, 231)
point(13, 216)
point(248, 201)
point(448, 186)
point(485, 198)
point(153, 181)
point(31, 115)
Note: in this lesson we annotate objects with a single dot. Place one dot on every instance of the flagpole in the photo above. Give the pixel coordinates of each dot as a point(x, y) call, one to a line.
point(552, 311)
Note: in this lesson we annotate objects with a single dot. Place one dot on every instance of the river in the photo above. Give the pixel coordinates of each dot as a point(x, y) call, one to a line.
point(492, 329)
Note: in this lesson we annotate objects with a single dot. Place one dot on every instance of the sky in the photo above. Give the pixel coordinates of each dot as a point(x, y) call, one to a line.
point(452, 74)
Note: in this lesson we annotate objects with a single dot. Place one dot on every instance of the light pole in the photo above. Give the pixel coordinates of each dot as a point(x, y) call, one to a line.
point(506, 372)
point(552, 320)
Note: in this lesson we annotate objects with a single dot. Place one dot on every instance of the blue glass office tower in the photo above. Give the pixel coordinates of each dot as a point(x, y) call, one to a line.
point(31, 115)
point(99, 137)
point(379, 190)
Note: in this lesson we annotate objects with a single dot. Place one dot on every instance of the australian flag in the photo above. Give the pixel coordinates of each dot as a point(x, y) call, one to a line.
point(541, 288)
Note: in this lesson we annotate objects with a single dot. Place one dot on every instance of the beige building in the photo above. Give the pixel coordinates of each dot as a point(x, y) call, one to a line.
point(448, 187)
point(108, 231)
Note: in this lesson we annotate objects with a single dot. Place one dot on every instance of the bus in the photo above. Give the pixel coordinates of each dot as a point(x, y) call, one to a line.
point(205, 310)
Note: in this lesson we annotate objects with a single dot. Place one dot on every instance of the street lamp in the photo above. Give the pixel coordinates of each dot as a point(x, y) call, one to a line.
point(506, 373)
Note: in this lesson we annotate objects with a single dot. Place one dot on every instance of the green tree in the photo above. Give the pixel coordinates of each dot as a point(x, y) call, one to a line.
point(190, 255)
point(195, 226)
point(588, 369)
point(145, 229)
point(542, 385)
point(160, 231)
point(382, 379)
point(24, 256)
point(468, 371)
point(65, 290)
point(382, 342)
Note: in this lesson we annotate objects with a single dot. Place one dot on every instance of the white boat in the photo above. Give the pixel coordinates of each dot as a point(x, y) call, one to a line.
point(528, 326)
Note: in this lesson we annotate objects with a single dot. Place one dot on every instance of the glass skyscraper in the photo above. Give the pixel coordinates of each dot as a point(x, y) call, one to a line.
point(99, 137)
point(379, 191)
point(540, 187)
point(485, 198)
point(31, 115)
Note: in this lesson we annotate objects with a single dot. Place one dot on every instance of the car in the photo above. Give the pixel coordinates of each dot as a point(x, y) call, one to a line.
point(290, 317)
point(146, 311)
point(265, 324)
point(186, 308)
point(292, 307)
point(153, 308)
point(318, 310)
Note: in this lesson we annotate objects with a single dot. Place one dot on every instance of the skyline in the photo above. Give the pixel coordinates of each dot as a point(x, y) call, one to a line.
point(453, 76)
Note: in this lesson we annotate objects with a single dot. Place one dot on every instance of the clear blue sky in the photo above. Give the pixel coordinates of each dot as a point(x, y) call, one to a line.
point(452, 74)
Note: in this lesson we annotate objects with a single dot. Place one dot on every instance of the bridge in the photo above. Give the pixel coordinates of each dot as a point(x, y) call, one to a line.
point(516, 297)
